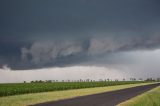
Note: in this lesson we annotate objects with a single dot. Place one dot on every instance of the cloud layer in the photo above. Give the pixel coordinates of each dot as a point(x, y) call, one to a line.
point(72, 52)
point(38, 34)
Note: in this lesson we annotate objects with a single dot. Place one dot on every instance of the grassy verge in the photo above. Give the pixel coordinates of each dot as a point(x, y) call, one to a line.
point(28, 99)
point(150, 98)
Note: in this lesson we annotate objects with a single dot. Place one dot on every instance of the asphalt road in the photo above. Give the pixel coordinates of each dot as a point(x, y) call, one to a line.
point(103, 99)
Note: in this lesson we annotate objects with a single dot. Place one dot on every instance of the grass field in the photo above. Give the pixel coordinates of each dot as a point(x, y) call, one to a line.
point(150, 98)
point(23, 88)
point(29, 99)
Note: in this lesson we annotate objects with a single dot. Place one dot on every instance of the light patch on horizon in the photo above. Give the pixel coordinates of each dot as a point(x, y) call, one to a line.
point(137, 64)
point(65, 73)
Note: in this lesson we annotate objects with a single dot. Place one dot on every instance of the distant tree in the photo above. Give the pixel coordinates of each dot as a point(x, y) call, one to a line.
point(150, 79)
point(140, 79)
point(48, 81)
point(158, 79)
point(32, 82)
point(40, 81)
point(87, 80)
point(24, 81)
point(132, 79)
point(36, 81)
point(80, 80)
point(116, 79)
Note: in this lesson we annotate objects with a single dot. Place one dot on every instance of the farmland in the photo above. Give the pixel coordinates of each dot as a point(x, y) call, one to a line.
point(34, 98)
point(24, 88)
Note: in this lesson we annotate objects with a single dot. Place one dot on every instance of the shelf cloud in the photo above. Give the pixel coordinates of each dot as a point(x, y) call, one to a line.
point(37, 34)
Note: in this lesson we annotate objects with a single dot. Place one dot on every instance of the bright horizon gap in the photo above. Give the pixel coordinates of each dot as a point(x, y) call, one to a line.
point(67, 73)
point(80, 72)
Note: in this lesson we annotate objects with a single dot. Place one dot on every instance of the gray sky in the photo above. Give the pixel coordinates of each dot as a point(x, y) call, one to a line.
point(58, 33)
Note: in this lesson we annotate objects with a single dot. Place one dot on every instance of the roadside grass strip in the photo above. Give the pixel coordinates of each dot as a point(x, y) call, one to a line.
point(150, 98)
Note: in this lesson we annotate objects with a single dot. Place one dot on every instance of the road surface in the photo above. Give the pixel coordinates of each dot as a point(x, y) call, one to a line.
point(111, 98)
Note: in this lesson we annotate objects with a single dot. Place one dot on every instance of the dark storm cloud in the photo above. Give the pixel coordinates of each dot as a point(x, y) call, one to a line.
point(36, 34)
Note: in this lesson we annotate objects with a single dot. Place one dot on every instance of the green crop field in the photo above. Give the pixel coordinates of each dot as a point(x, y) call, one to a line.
point(23, 88)
point(150, 98)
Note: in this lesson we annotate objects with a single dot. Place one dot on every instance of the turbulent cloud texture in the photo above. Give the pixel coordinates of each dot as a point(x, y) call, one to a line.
point(63, 53)
point(58, 33)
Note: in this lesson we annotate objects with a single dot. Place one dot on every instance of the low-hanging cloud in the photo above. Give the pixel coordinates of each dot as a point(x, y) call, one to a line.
point(72, 52)
point(38, 34)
